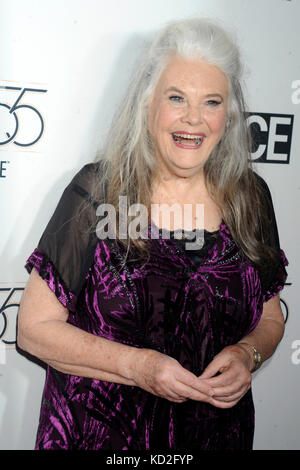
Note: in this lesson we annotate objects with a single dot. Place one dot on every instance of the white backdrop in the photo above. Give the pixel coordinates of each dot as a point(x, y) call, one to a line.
point(75, 57)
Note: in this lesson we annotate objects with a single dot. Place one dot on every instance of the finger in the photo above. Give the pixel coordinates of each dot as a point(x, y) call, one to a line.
point(177, 400)
point(236, 395)
point(233, 398)
point(215, 366)
point(221, 380)
point(229, 401)
point(227, 377)
point(232, 380)
point(175, 391)
point(193, 394)
point(179, 390)
point(183, 384)
point(233, 373)
point(232, 388)
point(191, 381)
point(174, 397)
point(224, 404)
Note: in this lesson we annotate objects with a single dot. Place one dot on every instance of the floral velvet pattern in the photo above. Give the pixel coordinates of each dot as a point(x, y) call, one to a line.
point(188, 311)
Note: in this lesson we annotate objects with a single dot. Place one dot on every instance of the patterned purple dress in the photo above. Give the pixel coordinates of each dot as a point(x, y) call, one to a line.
point(187, 306)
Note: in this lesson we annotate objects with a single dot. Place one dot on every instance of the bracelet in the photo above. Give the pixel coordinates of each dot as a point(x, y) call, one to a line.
point(256, 356)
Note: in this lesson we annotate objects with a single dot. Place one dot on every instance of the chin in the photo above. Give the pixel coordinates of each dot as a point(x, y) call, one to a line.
point(187, 169)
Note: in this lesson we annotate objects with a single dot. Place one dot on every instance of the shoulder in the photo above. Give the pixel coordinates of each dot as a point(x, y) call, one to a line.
point(260, 182)
point(88, 181)
point(262, 189)
point(88, 173)
point(267, 213)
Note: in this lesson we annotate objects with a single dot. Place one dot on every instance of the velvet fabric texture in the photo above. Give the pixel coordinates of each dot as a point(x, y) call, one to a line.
point(187, 309)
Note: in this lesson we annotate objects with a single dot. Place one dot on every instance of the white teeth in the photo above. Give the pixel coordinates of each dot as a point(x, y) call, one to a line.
point(188, 136)
point(197, 139)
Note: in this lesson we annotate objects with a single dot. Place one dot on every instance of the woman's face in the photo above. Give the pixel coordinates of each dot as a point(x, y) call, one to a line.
point(187, 115)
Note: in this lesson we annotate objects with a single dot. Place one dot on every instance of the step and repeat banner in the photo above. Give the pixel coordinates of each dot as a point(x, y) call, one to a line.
point(64, 66)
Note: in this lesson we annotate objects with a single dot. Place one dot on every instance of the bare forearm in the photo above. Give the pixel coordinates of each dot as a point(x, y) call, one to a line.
point(84, 371)
point(267, 334)
point(265, 337)
point(74, 351)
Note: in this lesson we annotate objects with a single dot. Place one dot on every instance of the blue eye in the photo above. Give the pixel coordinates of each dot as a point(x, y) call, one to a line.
point(175, 98)
point(213, 102)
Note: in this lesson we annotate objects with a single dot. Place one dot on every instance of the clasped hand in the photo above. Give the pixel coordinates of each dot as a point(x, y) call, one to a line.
point(163, 376)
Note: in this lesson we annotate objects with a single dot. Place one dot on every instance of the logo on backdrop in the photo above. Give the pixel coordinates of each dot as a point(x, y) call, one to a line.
point(21, 120)
point(295, 358)
point(9, 304)
point(271, 137)
point(16, 116)
point(296, 94)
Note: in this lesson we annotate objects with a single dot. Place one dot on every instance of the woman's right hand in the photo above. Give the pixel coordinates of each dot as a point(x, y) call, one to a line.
point(163, 376)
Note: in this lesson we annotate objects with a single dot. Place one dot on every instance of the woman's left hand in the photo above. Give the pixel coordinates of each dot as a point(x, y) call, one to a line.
point(233, 364)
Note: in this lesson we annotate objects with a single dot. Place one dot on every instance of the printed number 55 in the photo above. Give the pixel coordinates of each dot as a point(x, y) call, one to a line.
point(11, 110)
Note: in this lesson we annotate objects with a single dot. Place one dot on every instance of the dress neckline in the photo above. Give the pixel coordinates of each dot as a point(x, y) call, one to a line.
point(223, 238)
point(160, 229)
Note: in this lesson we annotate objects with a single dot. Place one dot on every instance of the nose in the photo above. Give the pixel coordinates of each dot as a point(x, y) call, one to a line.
point(193, 115)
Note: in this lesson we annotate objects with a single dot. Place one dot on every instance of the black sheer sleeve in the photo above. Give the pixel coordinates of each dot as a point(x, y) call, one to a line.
point(270, 234)
point(274, 275)
point(66, 249)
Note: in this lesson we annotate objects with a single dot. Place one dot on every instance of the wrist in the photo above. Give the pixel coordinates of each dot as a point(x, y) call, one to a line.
point(127, 363)
point(133, 363)
point(245, 355)
point(253, 353)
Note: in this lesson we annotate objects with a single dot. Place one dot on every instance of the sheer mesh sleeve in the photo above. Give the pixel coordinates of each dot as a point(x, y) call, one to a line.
point(274, 276)
point(65, 251)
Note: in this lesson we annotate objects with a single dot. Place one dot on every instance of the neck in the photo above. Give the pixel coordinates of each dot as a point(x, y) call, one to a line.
point(179, 187)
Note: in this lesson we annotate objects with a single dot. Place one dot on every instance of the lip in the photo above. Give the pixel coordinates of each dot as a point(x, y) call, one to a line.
point(189, 133)
point(188, 147)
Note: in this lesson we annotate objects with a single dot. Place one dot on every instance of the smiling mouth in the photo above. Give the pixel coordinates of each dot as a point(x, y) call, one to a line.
point(188, 140)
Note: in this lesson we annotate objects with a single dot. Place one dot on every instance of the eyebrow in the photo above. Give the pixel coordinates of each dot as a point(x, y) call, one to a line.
point(177, 90)
point(173, 88)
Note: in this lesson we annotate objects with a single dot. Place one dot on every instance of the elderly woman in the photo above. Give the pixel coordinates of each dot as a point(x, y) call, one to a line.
point(149, 344)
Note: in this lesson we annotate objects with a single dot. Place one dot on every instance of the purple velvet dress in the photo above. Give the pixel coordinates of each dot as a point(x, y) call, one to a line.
point(186, 306)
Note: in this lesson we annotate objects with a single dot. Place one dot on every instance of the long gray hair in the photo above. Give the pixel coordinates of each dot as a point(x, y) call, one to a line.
point(128, 158)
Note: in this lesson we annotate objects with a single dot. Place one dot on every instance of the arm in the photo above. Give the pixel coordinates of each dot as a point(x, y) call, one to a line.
point(268, 333)
point(43, 331)
point(236, 362)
